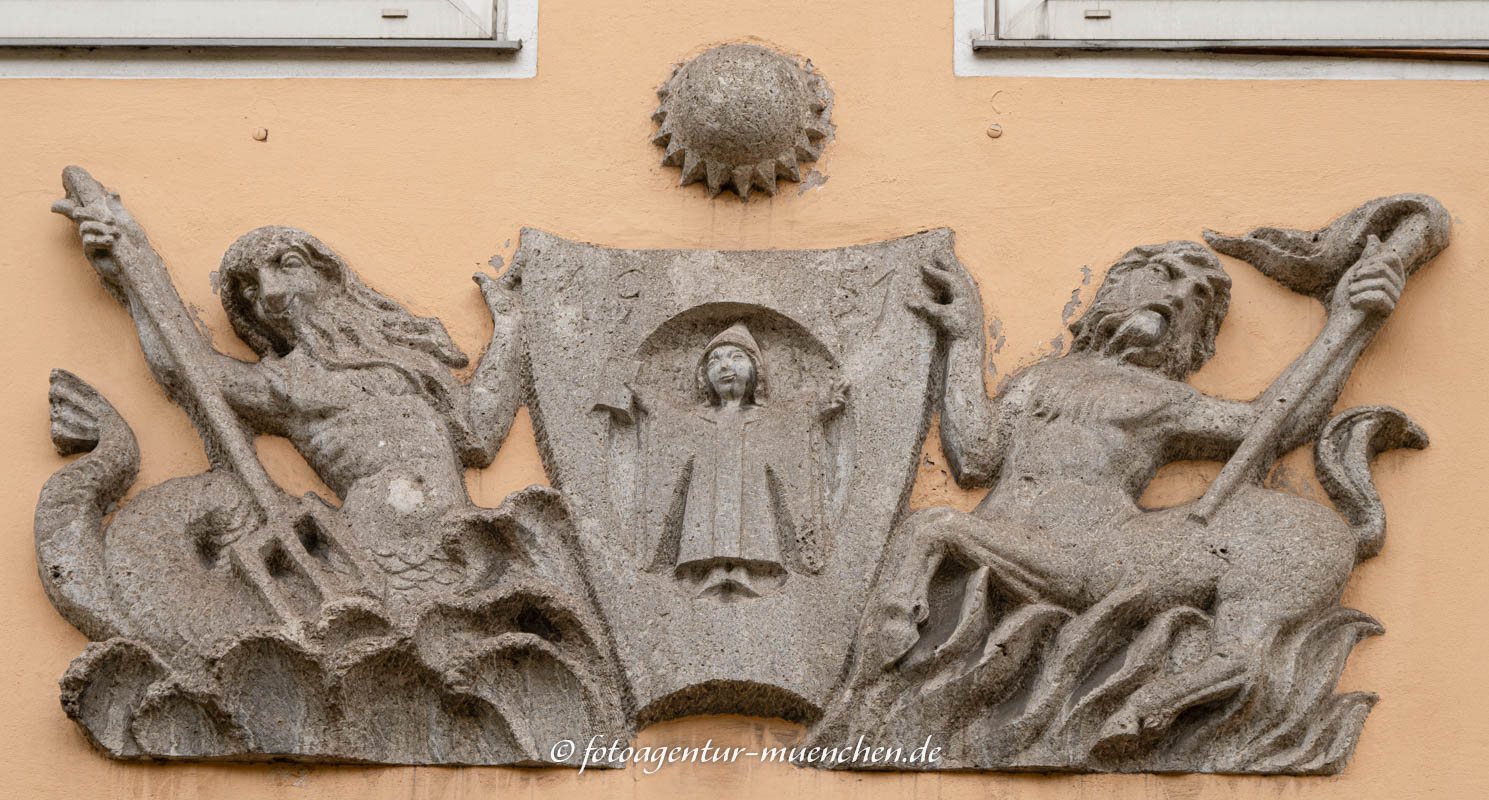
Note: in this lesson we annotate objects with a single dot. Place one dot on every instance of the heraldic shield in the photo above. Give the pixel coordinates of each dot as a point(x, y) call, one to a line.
point(736, 432)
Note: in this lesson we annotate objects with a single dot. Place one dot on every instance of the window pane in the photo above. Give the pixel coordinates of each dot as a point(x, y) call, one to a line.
point(1243, 19)
point(251, 19)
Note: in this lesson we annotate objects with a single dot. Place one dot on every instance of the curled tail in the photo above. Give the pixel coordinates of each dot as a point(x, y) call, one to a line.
point(73, 502)
point(1342, 461)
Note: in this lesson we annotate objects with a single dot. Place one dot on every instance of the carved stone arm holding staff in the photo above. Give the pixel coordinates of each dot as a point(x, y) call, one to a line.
point(269, 305)
point(1069, 445)
point(361, 387)
point(1160, 308)
point(1357, 267)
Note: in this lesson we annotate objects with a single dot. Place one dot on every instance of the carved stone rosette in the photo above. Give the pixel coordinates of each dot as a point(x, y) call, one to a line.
point(740, 116)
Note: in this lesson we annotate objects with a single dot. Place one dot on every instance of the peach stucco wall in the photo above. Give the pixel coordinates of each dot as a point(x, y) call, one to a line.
point(419, 183)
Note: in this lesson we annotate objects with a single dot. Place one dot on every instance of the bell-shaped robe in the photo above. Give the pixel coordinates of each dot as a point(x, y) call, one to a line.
point(734, 485)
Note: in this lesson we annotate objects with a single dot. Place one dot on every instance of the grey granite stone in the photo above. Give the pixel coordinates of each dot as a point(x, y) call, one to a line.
point(230, 619)
point(731, 438)
point(735, 431)
point(741, 116)
point(1060, 625)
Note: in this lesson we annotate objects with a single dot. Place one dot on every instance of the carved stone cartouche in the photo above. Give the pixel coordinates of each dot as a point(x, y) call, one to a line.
point(735, 432)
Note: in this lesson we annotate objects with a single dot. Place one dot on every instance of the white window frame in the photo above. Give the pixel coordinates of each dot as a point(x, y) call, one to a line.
point(403, 24)
point(1235, 24)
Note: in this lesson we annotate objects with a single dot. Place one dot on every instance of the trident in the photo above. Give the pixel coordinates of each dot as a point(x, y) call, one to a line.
point(287, 529)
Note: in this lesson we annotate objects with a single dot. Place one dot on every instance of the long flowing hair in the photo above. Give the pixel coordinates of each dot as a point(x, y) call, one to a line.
point(354, 327)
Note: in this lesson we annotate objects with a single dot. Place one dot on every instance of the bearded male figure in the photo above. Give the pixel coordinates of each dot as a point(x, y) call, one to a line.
point(361, 387)
point(406, 624)
point(994, 625)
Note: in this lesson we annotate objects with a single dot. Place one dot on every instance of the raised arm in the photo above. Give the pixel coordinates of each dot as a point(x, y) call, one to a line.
point(197, 377)
point(117, 248)
point(970, 435)
point(1357, 266)
point(496, 386)
point(1212, 428)
point(1358, 307)
point(243, 387)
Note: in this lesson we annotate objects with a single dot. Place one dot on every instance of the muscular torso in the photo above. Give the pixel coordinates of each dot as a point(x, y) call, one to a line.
point(367, 432)
point(1083, 437)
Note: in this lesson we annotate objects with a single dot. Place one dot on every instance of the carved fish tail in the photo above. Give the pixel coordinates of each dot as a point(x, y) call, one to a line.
point(73, 502)
point(1342, 462)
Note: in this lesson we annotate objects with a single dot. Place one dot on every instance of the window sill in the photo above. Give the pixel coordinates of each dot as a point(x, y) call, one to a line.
point(1445, 50)
point(495, 46)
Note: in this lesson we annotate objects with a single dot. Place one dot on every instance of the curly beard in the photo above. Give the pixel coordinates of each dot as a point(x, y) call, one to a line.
point(1139, 336)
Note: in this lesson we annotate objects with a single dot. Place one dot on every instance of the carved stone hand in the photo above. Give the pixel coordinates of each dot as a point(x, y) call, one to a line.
point(502, 295)
point(1374, 285)
point(837, 398)
point(99, 234)
point(954, 307)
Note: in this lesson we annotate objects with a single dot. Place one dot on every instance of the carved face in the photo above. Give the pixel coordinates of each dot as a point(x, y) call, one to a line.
point(1158, 308)
point(283, 289)
point(730, 373)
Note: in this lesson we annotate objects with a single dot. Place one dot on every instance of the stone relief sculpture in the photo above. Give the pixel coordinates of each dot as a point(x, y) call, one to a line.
point(731, 437)
point(740, 116)
point(230, 619)
point(1062, 626)
point(735, 432)
point(735, 482)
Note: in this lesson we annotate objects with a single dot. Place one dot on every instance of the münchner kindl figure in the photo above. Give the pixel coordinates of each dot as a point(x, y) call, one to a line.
point(737, 496)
